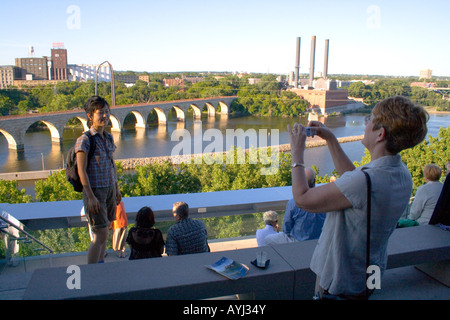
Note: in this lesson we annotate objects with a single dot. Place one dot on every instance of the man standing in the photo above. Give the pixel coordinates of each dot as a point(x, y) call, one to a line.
point(98, 176)
point(187, 235)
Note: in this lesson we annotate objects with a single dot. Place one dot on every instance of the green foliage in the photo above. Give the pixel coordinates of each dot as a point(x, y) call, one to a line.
point(55, 188)
point(384, 88)
point(9, 193)
point(238, 173)
point(434, 150)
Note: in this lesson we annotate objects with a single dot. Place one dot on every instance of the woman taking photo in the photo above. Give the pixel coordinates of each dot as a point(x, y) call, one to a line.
point(339, 260)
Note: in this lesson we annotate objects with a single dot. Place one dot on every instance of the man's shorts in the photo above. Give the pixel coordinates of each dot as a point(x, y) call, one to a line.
point(108, 204)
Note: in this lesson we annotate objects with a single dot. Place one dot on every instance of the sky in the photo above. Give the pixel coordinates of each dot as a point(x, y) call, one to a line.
point(395, 37)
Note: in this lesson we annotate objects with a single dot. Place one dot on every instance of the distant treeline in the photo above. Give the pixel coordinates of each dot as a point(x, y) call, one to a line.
point(267, 97)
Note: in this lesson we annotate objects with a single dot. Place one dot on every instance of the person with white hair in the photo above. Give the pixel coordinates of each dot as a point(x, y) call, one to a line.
point(271, 220)
point(299, 224)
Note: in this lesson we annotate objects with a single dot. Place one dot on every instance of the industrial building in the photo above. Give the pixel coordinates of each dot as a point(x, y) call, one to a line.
point(322, 94)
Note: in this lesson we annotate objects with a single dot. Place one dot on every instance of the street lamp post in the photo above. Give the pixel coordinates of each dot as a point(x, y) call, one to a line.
point(113, 93)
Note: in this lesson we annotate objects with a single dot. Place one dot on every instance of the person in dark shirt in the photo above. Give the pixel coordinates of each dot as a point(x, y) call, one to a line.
point(187, 235)
point(144, 240)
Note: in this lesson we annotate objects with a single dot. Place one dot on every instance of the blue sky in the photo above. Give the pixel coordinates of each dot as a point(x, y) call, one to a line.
point(366, 37)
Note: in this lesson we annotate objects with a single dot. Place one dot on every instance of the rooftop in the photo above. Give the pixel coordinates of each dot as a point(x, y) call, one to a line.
point(403, 280)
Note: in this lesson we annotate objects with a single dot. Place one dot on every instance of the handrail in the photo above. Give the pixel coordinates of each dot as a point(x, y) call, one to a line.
point(26, 233)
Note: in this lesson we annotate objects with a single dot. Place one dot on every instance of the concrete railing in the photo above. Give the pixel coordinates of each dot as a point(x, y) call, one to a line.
point(186, 277)
point(66, 214)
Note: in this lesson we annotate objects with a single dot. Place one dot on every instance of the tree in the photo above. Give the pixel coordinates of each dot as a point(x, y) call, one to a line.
point(9, 193)
point(56, 188)
point(6, 105)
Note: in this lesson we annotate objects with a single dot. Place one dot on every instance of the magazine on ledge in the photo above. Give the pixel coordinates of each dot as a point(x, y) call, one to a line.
point(229, 268)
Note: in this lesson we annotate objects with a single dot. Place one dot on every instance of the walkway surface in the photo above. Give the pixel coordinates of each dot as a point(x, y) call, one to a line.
point(407, 283)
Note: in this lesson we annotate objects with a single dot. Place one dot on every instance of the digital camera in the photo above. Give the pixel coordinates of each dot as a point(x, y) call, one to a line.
point(310, 132)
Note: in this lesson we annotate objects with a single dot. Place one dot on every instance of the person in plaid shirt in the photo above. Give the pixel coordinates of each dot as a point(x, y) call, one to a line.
point(98, 175)
point(187, 235)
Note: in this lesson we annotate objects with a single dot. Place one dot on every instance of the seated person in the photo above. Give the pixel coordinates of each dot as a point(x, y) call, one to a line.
point(441, 214)
point(299, 224)
point(271, 220)
point(187, 235)
point(143, 239)
point(427, 195)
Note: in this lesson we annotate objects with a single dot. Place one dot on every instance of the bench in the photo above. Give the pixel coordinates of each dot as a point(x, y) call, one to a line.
point(186, 277)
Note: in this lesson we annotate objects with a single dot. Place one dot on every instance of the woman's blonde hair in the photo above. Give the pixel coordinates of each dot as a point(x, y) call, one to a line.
point(432, 172)
point(404, 122)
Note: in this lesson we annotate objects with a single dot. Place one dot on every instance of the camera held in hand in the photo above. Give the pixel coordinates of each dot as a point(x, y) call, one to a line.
point(310, 132)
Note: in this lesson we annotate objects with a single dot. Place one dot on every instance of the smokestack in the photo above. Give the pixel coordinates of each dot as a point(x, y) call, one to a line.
point(297, 63)
point(312, 58)
point(325, 63)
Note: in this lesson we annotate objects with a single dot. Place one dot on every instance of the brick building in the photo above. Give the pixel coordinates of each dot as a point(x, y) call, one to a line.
point(327, 101)
point(33, 68)
point(59, 70)
point(7, 76)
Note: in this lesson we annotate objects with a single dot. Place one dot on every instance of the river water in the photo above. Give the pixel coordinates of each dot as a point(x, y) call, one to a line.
point(157, 140)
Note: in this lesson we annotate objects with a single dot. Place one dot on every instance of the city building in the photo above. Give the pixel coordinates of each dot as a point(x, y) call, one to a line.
point(59, 70)
point(326, 101)
point(85, 72)
point(193, 79)
point(325, 84)
point(33, 68)
point(426, 74)
point(127, 79)
point(7, 76)
point(144, 78)
point(253, 80)
point(173, 82)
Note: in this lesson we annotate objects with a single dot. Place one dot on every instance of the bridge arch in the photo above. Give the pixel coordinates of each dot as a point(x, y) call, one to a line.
point(180, 113)
point(115, 123)
point(197, 111)
point(12, 143)
point(210, 108)
point(83, 122)
point(224, 109)
point(54, 132)
point(140, 121)
point(162, 117)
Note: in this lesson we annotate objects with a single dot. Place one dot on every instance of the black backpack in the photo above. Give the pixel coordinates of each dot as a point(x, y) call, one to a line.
point(71, 164)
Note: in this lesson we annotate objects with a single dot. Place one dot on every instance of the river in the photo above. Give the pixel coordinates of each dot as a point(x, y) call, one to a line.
point(40, 153)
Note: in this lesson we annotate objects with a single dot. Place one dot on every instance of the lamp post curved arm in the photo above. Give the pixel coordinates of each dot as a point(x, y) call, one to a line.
point(113, 93)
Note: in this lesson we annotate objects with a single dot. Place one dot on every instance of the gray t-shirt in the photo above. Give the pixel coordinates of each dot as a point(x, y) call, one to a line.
point(426, 198)
point(339, 259)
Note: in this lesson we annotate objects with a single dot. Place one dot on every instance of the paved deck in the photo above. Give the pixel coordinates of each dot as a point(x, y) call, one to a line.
point(406, 283)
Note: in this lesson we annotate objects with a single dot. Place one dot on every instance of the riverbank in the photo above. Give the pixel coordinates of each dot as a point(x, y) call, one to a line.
point(132, 163)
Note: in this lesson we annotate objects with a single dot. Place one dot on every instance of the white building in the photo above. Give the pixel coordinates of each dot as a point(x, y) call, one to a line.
point(426, 74)
point(86, 72)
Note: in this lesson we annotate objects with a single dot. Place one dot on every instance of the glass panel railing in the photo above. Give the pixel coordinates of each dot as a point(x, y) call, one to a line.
point(20, 251)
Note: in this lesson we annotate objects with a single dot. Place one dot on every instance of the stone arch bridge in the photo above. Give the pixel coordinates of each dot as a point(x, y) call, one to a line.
point(15, 127)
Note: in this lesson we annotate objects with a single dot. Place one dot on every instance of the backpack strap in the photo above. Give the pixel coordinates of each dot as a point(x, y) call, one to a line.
point(92, 144)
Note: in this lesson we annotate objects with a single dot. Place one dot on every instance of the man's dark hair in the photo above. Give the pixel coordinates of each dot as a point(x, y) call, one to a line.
point(92, 104)
point(181, 209)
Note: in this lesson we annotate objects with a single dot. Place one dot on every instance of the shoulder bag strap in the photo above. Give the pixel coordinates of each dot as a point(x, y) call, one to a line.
point(369, 189)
